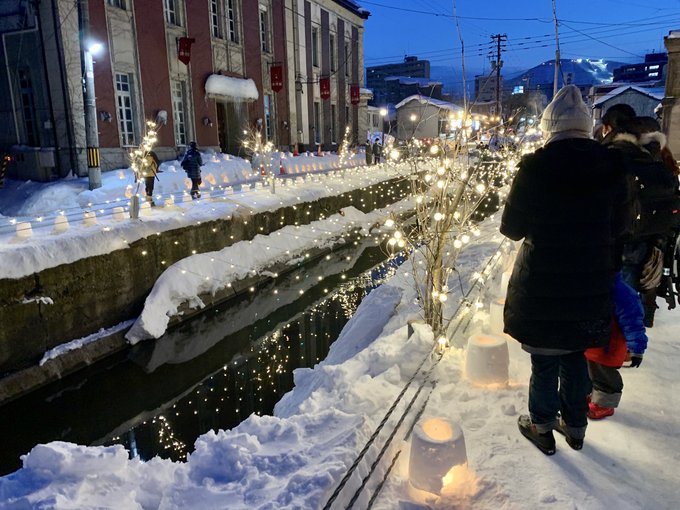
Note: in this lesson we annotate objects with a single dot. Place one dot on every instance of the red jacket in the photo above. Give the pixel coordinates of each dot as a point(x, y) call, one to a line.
point(612, 355)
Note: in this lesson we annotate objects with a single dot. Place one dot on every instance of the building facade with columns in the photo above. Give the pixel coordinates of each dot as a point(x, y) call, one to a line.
point(204, 70)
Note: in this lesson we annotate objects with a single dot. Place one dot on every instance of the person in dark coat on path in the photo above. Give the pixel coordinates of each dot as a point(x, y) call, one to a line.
point(192, 164)
point(570, 203)
point(150, 170)
point(377, 152)
point(656, 203)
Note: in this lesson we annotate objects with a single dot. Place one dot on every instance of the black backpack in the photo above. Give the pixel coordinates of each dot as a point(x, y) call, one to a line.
point(657, 199)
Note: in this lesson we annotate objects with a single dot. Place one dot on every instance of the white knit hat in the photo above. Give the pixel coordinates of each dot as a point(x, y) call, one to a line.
point(567, 112)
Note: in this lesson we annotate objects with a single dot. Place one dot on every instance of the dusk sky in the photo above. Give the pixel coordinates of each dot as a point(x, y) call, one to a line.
point(622, 30)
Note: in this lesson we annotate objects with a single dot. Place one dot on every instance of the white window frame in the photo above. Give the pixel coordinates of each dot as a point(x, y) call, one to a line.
point(215, 19)
point(332, 52)
point(119, 4)
point(172, 10)
point(125, 110)
point(265, 30)
point(232, 21)
point(315, 46)
point(180, 112)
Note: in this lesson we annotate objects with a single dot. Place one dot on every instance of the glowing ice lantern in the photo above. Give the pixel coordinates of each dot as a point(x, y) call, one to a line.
point(89, 218)
point(170, 201)
point(24, 229)
point(118, 213)
point(60, 224)
point(496, 315)
point(186, 198)
point(437, 447)
point(487, 360)
point(145, 208)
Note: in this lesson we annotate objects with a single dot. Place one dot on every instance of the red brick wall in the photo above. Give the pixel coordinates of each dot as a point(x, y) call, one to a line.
point(253, 56)
point(103, 76)
point(201, 66)
point(153, 63)
point(281, 97)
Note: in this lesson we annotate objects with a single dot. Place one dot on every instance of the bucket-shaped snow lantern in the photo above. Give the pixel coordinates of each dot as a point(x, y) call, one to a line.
point(496, 315)
point(60, 224)
point(145, 208)
point(487, 360)
point(24, 229)
point(118, 213)
point(89, 218)
point(186, 198)
point(170, 201)
point(437, 446)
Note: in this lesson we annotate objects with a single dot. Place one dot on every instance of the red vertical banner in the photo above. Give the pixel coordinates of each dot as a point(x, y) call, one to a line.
point(325, 88)
point(184, 49)
point(276, 75)
point(354, 94)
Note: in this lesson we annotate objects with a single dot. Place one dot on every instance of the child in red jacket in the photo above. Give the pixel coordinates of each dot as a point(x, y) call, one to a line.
point(628, 334)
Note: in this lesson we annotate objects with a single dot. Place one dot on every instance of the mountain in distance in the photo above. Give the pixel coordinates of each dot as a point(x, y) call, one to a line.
point(581, 71)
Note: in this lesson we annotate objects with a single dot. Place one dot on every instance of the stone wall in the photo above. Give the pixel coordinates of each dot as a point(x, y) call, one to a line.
point(102, 291)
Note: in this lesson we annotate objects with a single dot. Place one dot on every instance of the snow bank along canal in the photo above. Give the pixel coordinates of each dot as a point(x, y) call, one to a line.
point(211, 372)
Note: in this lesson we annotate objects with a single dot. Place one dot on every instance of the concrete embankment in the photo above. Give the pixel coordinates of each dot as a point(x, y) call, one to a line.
point(105, 290)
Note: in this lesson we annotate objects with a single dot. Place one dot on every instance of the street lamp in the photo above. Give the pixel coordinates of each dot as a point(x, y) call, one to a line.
point(94, 171)
point(413, 117)
point(383, 114)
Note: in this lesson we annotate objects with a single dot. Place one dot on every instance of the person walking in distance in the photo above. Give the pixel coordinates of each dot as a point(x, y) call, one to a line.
point(150, 170)
point(569, 203)
point(192, 164)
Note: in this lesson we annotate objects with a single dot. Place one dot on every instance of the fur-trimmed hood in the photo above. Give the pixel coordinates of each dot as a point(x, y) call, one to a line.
point(656, 136)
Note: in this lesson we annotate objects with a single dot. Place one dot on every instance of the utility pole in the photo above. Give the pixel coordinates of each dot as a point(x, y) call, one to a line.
point(499, 39)
point(88, 48)
point(557, 49)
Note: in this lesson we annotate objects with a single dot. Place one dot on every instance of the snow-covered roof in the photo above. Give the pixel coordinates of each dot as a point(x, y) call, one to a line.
point(365, 92)
point(654, 93)
point(233, 88)
point(407, 80)
point(442, 105)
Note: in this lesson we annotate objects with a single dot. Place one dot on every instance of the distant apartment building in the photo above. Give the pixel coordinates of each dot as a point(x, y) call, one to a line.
point(651, 70)
point(391, 83)
point(205, 70)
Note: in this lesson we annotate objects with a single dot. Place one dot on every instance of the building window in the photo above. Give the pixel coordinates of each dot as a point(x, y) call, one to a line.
point(655, 73)
point(28, 108)
point(443, 125)
point(315, 47)
point(215, 19)
point(117, 3)
point(264, 30)
point(332, 52)
point(179, 95)
point(334, 121)
point(172, 12)
point(651, 68)
point(126, 123)
point(317, 122)
point(231, 21)
point(268, 116)
point(348, 60)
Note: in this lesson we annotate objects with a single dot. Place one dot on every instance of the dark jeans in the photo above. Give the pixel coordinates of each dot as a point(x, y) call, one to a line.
point(195, 192)
point(559, 384)
point(607, 384)
point(148, 185)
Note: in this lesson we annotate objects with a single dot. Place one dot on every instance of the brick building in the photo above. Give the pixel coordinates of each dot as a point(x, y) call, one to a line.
point(203, 69)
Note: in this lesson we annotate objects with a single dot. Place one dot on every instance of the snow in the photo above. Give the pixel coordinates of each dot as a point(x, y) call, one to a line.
point(230, 186)
point(654, 93)
point(235, 88)
point(424, 100)
point(296, 458)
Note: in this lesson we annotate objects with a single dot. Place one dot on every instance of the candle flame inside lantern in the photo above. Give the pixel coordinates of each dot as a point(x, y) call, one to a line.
point(437, 430)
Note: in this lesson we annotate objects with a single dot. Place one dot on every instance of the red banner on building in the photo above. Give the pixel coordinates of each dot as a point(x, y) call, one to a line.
point(276, 75)
point(325, 88)
point(354, 94)
point(184, 49)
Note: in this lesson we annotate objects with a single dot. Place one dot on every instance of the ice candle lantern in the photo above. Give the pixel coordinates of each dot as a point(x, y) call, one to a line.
point(437, 446)
point(487, 360)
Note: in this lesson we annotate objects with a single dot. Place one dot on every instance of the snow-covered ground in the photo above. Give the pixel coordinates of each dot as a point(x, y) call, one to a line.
point(44, 224)
point(297, 457)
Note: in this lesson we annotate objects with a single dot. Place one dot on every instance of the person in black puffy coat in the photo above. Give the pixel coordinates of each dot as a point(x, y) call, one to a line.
point(570, 203)
point(192, 163)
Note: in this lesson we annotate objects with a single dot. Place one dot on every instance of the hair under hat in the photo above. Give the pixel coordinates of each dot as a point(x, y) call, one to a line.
point(567, 112)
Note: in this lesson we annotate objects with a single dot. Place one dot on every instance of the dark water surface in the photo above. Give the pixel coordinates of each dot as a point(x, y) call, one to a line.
point(210, 373)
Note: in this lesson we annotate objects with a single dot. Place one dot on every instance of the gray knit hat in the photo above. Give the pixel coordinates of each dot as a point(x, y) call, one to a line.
point(567, 112)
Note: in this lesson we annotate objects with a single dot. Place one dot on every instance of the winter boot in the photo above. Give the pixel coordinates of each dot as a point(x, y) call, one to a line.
point(649, 316)
point(596, 412)
point(576, 444)
point(544, 442)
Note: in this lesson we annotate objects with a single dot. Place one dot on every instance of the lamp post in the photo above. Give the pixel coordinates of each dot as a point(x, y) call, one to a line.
point(94, 171)
point(383, 114)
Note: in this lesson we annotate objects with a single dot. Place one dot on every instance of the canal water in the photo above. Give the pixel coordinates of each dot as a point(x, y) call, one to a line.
point(211, 372)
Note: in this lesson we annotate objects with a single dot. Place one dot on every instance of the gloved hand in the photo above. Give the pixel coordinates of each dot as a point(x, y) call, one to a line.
point(635, 360)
